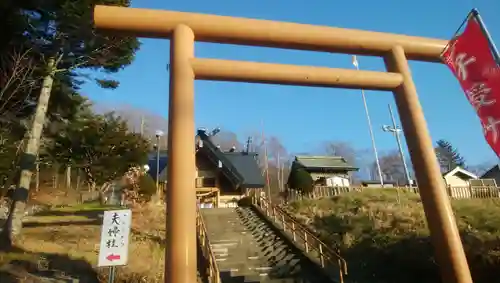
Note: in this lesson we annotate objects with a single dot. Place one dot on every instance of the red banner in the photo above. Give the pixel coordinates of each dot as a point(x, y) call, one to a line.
point(470, 58)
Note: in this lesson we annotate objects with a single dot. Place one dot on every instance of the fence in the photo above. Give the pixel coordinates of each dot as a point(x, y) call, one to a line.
point(303, 237)
point(210, 265)
point(453, 192)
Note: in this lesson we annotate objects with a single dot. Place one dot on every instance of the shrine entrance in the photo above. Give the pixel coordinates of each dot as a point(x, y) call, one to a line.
point(183, 29)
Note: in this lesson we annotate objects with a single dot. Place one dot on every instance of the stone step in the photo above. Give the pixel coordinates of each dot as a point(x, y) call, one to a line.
point(244, 277)
point(214, 237)
point(224, 245)
point(247, 250)
point(244, 266)
point(240, 260)
point(224, 241)
point(228, 278)
point(225, 263)
point(247, 255)
point(224, 232)
point(283, 280)
point(251, 278)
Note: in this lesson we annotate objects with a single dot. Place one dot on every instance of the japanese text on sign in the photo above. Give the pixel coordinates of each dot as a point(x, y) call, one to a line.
point(469, 57)
point(114, 237)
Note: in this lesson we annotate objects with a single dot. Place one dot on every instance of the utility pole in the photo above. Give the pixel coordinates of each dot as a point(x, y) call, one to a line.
point(278, 166)
point(266, 165)
point(372, 136)
point(396, 130)
point(142, 125)
point(158, 135)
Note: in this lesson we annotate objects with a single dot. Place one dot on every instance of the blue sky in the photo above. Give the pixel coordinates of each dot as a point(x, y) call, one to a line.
point(302, 117)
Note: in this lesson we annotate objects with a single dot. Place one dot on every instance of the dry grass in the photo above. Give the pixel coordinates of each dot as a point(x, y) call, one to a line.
point(389, 242)
point(46, 195)
point(67, 240)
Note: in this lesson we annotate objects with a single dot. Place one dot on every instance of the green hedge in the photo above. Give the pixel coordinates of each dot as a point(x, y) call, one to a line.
point(300, 179)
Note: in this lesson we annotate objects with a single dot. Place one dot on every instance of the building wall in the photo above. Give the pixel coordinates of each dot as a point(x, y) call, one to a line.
point(204, 167)
point(209, 177)
point(340, 181)
point(317, 175)
point(458, 187)
point(456, 181)
point(229, 196)
point(494, 173)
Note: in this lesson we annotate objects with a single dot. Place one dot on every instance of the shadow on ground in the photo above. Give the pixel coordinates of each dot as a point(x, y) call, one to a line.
point(95, 214)
point(19, 265)
point(93, 217)
point(61, 223)
point(64, 233)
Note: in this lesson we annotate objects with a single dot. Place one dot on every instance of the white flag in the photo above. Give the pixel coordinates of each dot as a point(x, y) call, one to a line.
point(355, 61)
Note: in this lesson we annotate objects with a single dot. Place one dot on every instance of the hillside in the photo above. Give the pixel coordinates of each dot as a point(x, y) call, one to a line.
point(386, 242)
point(61, 244)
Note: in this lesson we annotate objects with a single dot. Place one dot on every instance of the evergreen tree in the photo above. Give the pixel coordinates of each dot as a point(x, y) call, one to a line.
point(101, 145)
point(448, 156)
point(59, 36)
point(300, 179)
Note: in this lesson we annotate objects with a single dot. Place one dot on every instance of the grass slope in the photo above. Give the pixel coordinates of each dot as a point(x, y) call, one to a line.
point(63, 244)
point(388, 242)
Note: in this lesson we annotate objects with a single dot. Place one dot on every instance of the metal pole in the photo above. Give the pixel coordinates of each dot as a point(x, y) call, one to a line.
point(111, 278)
point(157, 163)
point(371, 130)
point(494, 50)
point(113, 196)
point(266, 165)
point(398, 140)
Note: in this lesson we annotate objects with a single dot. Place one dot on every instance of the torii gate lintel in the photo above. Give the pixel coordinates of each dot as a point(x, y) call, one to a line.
point(185, 28)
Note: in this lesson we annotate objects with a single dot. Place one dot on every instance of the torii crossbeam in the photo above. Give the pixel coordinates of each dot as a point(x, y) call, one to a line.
point(183, 29)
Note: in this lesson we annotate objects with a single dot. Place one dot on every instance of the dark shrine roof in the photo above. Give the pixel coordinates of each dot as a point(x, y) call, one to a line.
point(240, 168)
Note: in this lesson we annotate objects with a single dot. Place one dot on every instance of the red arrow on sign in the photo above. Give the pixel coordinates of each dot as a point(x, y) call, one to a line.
point(112, 257)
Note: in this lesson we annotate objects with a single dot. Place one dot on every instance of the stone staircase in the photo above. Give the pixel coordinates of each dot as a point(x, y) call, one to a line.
point(249, 250)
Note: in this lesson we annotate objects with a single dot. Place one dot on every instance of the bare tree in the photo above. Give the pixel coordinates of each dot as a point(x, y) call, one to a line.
point(278, 161)
point(16, 82)
point(392, 167)
point(481, 168)
point(139, 120)
point(343, 149)
point(226, 140)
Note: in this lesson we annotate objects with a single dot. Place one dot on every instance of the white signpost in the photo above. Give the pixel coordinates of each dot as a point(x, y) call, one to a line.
point(115, 232)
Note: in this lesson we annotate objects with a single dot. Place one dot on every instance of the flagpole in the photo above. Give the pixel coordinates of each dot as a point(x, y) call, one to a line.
point(355, 63)
point(494, 50)
point(266, 164)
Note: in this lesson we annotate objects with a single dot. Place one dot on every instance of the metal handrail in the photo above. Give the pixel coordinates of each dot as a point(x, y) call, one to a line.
point(302, 235)
point(212, 269)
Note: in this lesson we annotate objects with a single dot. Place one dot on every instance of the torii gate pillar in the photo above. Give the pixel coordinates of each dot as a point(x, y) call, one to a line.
point(181, 193)
point(182, 28)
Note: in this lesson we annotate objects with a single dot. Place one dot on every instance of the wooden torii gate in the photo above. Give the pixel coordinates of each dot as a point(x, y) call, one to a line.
point(183, 29)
